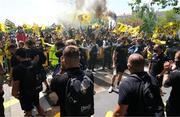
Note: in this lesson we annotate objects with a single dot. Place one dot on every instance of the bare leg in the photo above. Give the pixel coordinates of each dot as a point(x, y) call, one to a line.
point(119, 78)
point(113, 80)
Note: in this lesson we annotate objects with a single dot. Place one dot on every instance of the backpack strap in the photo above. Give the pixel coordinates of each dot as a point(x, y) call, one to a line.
point(140, 101)
point(67, 84)
point(85, 74)
point(68, 75)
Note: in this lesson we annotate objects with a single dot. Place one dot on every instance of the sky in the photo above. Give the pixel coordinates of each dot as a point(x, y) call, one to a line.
point(48, 11)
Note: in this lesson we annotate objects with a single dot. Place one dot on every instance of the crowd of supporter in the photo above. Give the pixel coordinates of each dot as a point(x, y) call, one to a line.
point(98, 49)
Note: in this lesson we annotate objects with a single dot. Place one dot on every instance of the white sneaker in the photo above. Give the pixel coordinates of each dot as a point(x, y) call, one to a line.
point(110, 89)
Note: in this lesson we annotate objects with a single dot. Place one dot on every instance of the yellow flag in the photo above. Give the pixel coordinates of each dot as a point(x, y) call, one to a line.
point(35, 29)
point(135, 31)
point(43, 27)
point(59, 28)
point(85, 18)
point(2, 27)
point(157, 41)
point(155, 36)
point(96, 26)
point(26, 26)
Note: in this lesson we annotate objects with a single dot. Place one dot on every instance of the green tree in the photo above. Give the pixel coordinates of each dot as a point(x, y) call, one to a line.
point(161, 21)
point(132, 20)
point(137, 4)
point(170, 16)
point(147, 14)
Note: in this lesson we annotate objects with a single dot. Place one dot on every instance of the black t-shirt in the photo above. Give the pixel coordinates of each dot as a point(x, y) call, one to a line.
point(174, 81)
point(128, 88)
point(14, 61)
point(129, 93)
point(31, 53)
point(58, 85)
point(157, 63)
point(122, 54)
point(18, 74)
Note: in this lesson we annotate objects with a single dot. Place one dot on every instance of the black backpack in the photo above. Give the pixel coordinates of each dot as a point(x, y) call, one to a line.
point(32, 83)
point(149, 99)
point(79, 95)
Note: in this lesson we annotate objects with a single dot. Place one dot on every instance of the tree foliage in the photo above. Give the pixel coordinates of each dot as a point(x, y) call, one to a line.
point(146, 12)
point(169, 16)
point(148, 16)
point(132, 20)
point(137, 4)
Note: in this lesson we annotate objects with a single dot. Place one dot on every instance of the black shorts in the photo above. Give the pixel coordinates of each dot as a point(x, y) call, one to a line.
point(42, 75)
point(29, 101)
point(120, 68)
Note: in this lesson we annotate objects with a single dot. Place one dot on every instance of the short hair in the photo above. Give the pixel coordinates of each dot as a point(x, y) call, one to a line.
point(136, 60)
point(70, 42)
point(21, 52)
point(71, 53)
